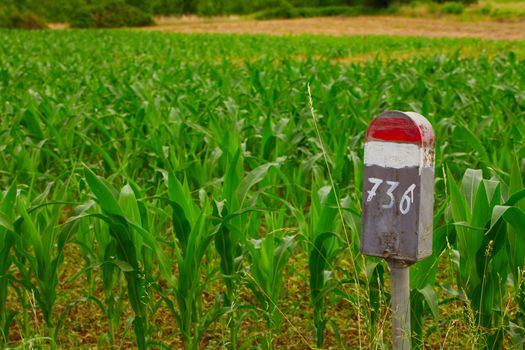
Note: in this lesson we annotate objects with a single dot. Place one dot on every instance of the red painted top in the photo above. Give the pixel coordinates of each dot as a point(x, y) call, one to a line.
point(403, 127)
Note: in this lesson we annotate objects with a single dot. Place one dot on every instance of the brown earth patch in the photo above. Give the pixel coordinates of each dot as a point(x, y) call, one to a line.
point(362, 25)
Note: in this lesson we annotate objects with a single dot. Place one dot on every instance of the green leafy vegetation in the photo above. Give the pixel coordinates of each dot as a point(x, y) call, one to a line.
point(111, 14)
point(463, 10)
point(11, 17)
point(33, 14)
point(453, 7)
point(288, 11)
point(168, 191)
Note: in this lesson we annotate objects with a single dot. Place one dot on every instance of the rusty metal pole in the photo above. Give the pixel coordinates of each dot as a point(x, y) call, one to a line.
point(400, 286)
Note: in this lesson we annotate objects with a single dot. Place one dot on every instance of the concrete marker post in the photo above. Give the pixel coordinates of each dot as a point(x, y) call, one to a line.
point(397, 205)
point(400, 285)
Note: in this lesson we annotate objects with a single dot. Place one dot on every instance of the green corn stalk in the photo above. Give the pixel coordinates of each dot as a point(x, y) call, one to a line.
point(268, 259)
point(471, 206)
point(99, 251)
point(194, 237)
point(229, 215)
point(184, 211)
point(129, 237)
point(39, 247)
point(325, 247)
point(189, 288)
point(7, 241)
point(516, 252)
point(227, 245)
point(321, 281)
point(481, 219)
point(515, 246)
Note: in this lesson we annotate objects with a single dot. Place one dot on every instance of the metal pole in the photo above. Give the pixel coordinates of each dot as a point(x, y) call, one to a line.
point(400, 284)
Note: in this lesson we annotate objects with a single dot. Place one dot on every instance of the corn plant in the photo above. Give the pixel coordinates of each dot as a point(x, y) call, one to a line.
point(129, 237)
point(516, 251)
point(40, 251)
point(99, 251)
point(268, 258)
point(325, 247)
point(228, 240)
point(213, 163)
point(423, 278)
point(481, 215)
point(229, 237)
point(7, 241)
point(194, 237)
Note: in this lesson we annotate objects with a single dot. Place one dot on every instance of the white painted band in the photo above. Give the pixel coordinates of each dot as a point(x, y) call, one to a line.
point(393, 155)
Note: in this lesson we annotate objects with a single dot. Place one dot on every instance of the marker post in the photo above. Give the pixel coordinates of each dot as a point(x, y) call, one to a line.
point(397, 205)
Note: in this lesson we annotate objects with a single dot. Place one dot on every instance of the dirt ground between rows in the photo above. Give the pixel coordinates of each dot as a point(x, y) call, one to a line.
point(363, 25)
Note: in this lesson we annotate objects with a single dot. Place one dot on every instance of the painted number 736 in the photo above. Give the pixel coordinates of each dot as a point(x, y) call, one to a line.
point(406, 200)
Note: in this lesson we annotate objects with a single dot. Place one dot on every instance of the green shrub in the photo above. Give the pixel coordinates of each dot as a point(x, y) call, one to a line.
point(432, 7)
point(464, 2)
point(144, 5)
point(27, 20)
point(379, 4)
point(453, 7)
point(56, 10)
point(306, 12)
point(10, 17)
point(506, 13)
point(486, 10)
point(285, 10)
point(209, 8)
point(331, 11)
point(393, 8)
point(112, 14)
point(5, 15)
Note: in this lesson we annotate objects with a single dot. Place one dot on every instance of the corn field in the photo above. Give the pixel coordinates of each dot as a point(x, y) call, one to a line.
point(175, 191)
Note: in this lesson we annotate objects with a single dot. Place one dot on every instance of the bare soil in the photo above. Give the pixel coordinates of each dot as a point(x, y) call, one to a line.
point(362, 25)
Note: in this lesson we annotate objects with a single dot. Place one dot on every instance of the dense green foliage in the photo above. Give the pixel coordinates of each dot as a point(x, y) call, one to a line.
point(181, 177)
point(80, 13)
point(63, 10)
point(453, 7)
point(289, 11)
point(11, 17)
point(111, 14)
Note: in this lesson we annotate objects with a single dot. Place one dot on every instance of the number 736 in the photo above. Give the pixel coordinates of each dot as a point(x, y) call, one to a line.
point(406, 200)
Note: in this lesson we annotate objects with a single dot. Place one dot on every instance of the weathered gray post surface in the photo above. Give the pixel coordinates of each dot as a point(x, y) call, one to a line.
point(398, 199)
